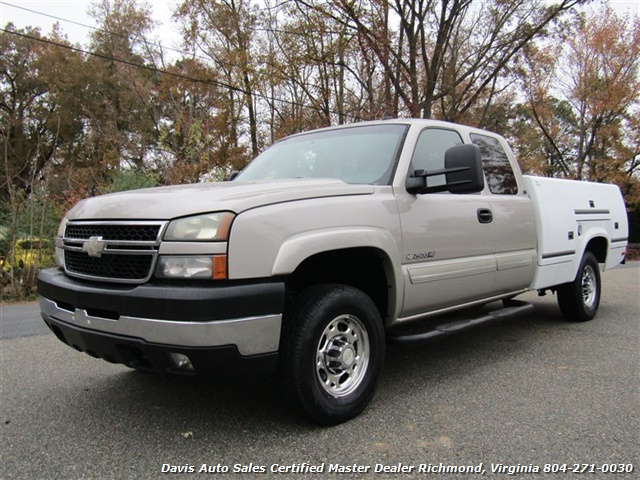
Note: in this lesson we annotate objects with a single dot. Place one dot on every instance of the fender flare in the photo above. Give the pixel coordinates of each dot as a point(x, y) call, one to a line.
point(598, 233)
point(298, 248)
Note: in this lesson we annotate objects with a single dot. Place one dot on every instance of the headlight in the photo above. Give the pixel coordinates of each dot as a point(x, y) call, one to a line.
point(62, 227)
point(58, 255)
point(212, 227)
point(213, 267)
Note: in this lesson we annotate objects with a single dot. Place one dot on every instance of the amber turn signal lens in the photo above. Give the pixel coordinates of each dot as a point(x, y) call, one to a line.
point(220, 267)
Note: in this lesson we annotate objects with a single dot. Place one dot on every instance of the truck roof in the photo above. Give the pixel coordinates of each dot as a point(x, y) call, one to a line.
point(421, 122)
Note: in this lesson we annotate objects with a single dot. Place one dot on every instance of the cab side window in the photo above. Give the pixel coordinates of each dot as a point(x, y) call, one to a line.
point(495, 163)
point(429, 152)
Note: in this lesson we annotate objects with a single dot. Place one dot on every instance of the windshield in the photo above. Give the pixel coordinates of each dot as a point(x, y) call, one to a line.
point(361, 154)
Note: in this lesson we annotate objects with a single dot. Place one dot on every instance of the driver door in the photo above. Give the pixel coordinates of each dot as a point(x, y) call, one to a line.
point(448, 241)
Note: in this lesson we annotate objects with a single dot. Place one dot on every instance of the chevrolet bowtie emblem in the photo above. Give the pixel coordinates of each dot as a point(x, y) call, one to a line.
point(94, 247)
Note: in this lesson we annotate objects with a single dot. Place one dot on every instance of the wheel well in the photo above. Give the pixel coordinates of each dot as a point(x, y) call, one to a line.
point(363, 268)
point(598, 246)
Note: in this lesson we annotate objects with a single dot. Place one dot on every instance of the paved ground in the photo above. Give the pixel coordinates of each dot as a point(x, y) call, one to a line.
point(530, 392)
point(21, 320)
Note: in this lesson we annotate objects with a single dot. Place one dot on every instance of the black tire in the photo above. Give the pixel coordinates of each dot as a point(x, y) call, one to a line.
point(580, 299)
point(333, 352)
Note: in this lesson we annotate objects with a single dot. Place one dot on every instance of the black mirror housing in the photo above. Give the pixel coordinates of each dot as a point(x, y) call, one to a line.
point(463, 166)
point(462, 170)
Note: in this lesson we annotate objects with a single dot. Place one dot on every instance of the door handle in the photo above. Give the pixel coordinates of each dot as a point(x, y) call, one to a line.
point(485, 215)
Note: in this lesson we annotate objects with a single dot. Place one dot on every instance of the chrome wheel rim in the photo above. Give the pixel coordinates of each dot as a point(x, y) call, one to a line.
point(589, 286)
point(342, 356)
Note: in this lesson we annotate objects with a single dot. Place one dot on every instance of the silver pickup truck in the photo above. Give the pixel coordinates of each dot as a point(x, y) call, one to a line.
point(325, 247)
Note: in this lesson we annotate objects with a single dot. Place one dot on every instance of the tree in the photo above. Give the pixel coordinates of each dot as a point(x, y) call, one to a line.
point(34, 133)
point(310, 64)
point(32, 126)
point(193, 128)
point(120, 117)
point(223, 30)
point(450, 52)
point(583, 99)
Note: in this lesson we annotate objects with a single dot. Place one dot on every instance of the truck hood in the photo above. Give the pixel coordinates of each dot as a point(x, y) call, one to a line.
point(165, 203)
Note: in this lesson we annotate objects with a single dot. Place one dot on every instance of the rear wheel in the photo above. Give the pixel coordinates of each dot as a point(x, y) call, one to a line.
point(580, 299)
point(333, 352)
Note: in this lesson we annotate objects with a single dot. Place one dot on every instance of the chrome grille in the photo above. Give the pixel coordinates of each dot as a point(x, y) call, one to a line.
point(123, 252)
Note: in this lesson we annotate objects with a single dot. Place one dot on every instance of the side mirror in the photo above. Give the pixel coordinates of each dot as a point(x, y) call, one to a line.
point(232, 175)
point(462, 170)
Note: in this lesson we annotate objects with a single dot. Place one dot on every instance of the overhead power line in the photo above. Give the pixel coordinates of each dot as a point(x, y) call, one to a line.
point(162, 47)
point(96, 29)
point(166, 72)
point(125, 62)
point(154, 44)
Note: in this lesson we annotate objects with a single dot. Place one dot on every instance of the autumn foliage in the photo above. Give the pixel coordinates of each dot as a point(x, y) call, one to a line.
point(559, 79)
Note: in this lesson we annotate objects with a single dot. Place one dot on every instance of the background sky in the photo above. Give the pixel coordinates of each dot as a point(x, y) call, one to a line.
point(23, 13)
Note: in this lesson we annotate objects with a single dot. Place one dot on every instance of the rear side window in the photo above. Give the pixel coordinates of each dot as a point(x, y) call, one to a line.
point(495, 163)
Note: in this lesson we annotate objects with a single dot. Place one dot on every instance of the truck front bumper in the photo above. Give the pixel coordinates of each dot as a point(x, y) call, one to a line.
point(232, 328)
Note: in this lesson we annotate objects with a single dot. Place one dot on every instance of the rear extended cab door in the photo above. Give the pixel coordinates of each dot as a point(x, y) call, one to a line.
point(459, 249)
point(512, 212)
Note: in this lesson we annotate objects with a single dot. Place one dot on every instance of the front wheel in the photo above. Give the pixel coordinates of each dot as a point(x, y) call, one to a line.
point(333, 352)
point(579, 300)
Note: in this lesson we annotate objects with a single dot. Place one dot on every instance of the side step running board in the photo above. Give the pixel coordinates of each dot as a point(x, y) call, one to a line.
point(513, 308)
